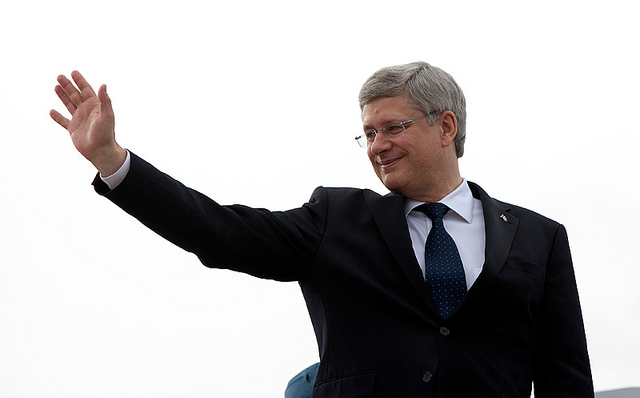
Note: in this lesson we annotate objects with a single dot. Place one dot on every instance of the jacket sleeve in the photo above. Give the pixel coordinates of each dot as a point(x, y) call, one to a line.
point(562, 365)
point(273, 245)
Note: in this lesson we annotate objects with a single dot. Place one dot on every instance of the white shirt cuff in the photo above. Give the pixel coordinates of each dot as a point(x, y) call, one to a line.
point(116, 178)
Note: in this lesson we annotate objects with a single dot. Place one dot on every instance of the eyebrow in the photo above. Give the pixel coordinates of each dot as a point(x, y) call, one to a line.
point(392, 119)
point(388, 122)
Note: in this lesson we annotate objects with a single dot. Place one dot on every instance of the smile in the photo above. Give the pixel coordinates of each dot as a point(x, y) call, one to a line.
point(387, 163)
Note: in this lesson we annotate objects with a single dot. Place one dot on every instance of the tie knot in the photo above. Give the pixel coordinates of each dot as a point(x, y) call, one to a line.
point(434, 210)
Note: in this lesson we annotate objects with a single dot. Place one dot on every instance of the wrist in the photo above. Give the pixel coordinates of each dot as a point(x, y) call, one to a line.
point(109, 161)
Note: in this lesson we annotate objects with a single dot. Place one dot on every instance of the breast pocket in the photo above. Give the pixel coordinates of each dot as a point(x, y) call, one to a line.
point(525, 267)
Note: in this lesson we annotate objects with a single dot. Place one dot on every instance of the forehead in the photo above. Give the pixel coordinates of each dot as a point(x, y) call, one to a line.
point(381, 110)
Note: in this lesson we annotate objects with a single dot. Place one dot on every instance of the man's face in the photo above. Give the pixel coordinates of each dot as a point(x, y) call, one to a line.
point(409, 163)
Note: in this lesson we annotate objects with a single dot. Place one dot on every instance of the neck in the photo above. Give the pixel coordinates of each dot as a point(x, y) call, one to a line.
point(443, 181)
point(440, 184)
point(438, 191)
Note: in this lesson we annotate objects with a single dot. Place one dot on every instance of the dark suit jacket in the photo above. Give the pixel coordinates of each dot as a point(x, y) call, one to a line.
point(378, 331)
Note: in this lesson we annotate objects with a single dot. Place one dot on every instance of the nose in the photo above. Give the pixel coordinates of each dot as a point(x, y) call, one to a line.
point(380, 144)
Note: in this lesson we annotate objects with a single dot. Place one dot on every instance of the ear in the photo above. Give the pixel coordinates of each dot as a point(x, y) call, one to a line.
point(448, 127)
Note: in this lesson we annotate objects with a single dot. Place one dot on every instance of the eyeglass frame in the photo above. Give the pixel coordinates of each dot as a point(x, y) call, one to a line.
point(384, 131)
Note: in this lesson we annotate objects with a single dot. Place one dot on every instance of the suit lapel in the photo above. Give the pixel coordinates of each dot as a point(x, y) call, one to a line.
point(388, 213)
point(500, 227)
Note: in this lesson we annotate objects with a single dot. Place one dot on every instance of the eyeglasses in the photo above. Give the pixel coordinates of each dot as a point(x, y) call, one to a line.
point(391, 130)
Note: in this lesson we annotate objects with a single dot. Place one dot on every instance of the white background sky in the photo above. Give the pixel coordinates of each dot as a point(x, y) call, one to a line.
point(255, 102)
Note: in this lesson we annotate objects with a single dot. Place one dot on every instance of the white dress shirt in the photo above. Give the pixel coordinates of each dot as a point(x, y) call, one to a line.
point(116, 178)
point(464, 222)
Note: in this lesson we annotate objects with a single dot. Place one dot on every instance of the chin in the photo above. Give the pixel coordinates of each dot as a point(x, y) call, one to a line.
point(391, 185)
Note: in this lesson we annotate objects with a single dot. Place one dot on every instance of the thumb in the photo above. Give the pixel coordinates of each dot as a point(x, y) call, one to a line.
point(105, 102)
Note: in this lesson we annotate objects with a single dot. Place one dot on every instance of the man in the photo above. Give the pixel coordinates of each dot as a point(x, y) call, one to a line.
point(435, 290)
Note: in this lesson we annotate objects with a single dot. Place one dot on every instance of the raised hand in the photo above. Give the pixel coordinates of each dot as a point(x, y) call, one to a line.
point(92, 123)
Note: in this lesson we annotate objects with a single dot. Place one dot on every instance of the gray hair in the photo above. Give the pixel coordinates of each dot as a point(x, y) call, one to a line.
point(432, 90)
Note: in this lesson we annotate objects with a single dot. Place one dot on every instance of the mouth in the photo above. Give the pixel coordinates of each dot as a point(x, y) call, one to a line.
point(388, 163)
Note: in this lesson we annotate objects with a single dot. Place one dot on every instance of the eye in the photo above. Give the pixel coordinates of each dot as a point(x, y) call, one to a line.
point(370, 134)
point(395, 129)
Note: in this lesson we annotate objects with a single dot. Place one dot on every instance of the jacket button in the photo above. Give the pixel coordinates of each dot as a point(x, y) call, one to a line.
point(427, 376)
point(444, 331)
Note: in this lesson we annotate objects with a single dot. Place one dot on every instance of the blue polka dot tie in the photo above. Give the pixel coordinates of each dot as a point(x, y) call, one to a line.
point(443, 267)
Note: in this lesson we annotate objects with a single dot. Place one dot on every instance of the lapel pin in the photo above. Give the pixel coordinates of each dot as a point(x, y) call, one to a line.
point(504, 218)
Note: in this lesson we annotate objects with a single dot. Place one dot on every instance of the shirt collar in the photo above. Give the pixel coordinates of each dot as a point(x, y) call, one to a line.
point(460, 201)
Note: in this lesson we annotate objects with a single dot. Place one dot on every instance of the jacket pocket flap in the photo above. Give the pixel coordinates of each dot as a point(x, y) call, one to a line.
point(359, 385)
point(523, 266)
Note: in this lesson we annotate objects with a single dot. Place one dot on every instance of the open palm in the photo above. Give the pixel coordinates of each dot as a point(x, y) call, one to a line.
point(92, 123)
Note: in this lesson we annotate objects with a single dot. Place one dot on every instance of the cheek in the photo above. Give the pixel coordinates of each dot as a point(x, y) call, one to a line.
point(371, 157)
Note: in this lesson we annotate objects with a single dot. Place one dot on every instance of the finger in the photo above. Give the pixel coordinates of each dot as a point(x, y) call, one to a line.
point(61, 120)
point(65, 99)
point(85, 88)
point(105, 102)
point(70, 90)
